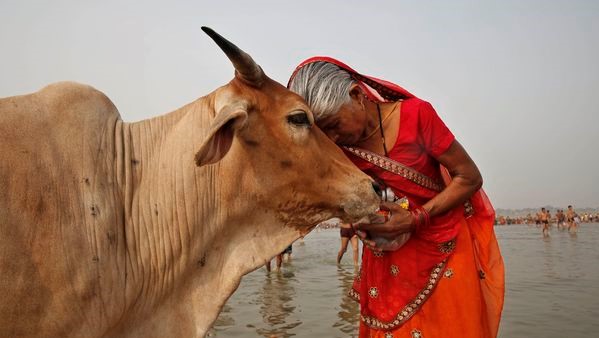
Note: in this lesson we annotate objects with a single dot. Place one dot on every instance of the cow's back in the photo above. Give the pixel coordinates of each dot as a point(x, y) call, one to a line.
point(61, 213)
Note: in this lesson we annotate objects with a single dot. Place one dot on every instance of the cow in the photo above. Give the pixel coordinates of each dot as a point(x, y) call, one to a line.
point(115, 229)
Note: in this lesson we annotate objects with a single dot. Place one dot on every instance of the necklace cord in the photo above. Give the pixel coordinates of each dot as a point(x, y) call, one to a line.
point(378, 109)
point(379, 126)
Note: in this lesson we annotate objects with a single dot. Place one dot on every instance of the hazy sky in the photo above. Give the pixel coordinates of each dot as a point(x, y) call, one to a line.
point(516, 81)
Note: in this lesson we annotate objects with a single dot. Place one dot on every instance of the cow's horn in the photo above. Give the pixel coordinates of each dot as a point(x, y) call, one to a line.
point(247, 69)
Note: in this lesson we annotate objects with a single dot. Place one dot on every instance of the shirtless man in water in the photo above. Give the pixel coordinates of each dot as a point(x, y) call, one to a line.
point(544, 217)
point(571, 219)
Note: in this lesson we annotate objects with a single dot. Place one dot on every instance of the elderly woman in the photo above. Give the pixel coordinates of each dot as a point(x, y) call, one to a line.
point(446, 280)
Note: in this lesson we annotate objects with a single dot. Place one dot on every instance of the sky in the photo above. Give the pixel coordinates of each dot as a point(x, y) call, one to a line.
point(516, 81)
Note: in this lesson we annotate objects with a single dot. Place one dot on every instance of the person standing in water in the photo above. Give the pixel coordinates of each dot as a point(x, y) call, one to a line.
point(544, 218)
point(571, 219)
point(279, 258)
point(348, 236)
point(561, 217)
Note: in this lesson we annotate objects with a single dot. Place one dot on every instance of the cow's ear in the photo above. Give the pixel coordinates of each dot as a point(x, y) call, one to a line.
point(220, 137)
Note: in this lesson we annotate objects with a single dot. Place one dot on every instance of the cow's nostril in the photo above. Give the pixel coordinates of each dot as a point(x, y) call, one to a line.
point(377, 188)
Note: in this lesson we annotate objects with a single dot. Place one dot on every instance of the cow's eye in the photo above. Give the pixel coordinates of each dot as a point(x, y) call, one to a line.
point(299, 119)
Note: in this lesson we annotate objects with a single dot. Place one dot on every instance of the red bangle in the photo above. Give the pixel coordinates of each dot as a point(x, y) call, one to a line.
point(421, 218)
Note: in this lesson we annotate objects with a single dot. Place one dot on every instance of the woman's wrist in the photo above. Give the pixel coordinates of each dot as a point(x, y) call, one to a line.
point(420, 218)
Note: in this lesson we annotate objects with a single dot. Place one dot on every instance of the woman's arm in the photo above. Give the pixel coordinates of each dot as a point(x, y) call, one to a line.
point(466, 180)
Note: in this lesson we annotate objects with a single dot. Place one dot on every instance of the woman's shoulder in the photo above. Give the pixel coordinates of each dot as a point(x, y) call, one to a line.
point(413, 101)
point(417, 107)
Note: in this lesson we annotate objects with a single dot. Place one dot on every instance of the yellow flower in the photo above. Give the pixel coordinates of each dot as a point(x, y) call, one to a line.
point(404, 203)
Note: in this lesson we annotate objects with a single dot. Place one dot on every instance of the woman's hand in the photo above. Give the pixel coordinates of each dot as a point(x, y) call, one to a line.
point(400, 222)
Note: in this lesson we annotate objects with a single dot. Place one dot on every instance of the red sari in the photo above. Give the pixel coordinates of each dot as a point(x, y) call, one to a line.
point(448, 279)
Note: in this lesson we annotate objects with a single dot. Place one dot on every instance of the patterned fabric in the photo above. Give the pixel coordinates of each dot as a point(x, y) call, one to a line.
point(396, 168)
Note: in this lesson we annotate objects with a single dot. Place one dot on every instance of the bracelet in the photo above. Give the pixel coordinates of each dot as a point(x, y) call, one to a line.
point(421, 218)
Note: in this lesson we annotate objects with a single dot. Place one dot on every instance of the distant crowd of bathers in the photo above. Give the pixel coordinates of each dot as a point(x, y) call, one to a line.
point(559, 217)
point(562, 218)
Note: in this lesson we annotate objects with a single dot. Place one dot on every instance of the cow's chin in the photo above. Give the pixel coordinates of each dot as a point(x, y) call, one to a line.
point(358, 208)
point(359, 215)
point(368, 219)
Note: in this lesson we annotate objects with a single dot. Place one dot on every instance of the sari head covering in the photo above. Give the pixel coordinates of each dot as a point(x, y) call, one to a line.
point(376, 90)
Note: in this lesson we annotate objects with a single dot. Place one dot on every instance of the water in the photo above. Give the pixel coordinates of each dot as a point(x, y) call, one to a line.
point(552, 289)
point(552, 284)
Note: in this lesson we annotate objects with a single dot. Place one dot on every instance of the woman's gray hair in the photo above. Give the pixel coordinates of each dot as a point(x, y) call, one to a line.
point(324, 86)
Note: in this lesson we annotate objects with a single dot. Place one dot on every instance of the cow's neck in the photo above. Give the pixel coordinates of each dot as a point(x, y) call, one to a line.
point(164, 208)
point(185, 225)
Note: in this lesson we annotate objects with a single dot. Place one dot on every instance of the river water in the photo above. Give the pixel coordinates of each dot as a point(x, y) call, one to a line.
point(552, 289)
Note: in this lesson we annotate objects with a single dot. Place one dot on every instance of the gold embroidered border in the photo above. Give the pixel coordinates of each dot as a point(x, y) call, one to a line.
point(396, 168)
point(408, 311)
point(353, 294)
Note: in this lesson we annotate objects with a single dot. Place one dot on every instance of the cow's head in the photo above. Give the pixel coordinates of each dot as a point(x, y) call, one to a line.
point(268, 138)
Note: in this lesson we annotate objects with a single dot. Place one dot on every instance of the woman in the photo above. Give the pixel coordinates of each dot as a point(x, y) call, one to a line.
point(447, 279)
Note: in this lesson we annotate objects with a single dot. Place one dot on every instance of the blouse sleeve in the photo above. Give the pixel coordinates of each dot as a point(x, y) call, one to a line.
point(436, 137)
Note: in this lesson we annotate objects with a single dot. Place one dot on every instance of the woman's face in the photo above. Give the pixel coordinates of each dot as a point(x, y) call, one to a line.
point(347, 126)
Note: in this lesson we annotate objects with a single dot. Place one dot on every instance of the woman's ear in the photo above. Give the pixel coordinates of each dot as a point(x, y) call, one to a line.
point(357, 95)
point(355, 92)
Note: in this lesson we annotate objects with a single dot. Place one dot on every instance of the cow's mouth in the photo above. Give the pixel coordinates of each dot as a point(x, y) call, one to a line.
point(355, 215)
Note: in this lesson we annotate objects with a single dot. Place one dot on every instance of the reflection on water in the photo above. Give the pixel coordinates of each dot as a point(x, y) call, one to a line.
point(307, 298)
point(276, 298)
point(348, 313)
point(275, 303)
point(552, 289)
point(225, 318)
